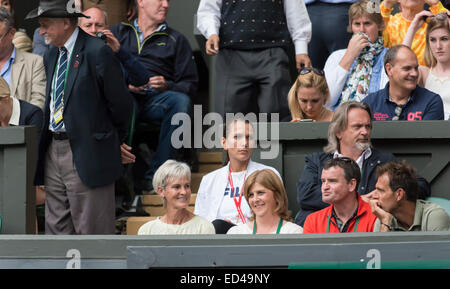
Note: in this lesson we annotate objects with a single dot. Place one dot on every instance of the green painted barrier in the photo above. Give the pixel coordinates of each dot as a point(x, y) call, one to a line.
point(406, 264)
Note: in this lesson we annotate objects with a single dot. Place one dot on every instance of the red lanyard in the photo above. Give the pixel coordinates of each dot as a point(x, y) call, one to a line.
point(237, 202)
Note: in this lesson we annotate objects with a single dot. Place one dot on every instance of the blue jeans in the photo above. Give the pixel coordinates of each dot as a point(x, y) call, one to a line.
point(158, 108)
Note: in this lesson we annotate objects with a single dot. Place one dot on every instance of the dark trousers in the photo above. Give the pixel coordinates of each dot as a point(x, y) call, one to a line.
point(329, 30)
point(159, 108)
point(252, 81)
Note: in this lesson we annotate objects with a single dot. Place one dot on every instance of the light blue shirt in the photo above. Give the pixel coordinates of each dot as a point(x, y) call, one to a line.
point(6, 70)
point(160, 28)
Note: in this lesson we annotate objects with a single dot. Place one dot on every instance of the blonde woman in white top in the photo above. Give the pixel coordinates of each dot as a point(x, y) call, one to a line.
point(267, 198)
point(436, 75)
point(173, 183)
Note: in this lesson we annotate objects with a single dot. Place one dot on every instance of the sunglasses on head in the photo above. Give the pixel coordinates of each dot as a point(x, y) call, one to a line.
point(307, 70)
point(398, 112)
point(440, 16)
point(345, 160)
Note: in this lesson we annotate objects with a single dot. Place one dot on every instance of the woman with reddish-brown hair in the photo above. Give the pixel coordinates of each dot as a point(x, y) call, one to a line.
point(267, 198)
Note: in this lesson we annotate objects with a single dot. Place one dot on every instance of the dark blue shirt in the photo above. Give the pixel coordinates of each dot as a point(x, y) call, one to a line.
point(422, 105)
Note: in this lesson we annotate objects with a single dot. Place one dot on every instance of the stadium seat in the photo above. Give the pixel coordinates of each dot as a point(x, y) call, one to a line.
point(444, 203)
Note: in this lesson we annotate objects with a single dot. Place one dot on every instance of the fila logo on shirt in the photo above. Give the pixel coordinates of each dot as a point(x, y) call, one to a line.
point(229, 192)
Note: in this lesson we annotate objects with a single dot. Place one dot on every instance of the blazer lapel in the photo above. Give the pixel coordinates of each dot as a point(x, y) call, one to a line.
point(16, 71)
point(75, 62)
point(50, 69)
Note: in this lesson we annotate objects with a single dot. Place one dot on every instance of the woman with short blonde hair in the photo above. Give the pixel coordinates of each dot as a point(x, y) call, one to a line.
point(358, 70)
point(172, 181)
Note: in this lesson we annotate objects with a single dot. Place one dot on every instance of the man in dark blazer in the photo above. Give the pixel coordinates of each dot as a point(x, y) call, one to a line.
point(14, 111)
point(348, 137)
point(86, 118)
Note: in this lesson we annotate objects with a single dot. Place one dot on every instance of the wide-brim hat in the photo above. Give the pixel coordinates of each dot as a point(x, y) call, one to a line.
point(55, 9)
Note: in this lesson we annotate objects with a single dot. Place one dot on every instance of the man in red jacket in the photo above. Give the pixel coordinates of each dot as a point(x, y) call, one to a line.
point(347, 211)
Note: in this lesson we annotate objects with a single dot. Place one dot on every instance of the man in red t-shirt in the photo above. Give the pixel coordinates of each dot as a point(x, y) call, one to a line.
point(347, 211)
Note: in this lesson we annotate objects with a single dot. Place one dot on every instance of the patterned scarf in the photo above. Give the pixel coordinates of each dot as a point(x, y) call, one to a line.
point(357, 85)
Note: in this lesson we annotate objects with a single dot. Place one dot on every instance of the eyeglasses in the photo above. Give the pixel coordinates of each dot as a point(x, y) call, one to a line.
point(345, 159)
point(307, 70)
point(398, 111)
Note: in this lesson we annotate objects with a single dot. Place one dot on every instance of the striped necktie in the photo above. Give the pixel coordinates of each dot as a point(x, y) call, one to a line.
point(58, 101)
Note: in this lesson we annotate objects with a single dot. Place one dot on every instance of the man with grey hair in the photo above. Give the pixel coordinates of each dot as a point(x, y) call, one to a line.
point(348, 136)
point(24, 72)
point(86, 118)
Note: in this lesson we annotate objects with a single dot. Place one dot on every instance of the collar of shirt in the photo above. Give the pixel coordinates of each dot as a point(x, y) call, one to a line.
point(365, 155)
point(70, 43)
point(6, 70)
point(15, 116)
point(388, 99)
point(160, 28)
point(418, 212)
point(341, 226)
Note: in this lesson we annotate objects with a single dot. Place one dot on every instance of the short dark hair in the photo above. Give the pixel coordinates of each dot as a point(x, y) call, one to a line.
point(7, 18)
point(349, 166)
point(227, 127)
point(391, 54)
point(401, 175)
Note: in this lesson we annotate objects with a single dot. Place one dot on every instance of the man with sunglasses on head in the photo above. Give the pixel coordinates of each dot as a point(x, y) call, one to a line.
point(348, 136)
point(402, 98)
point(347, 211)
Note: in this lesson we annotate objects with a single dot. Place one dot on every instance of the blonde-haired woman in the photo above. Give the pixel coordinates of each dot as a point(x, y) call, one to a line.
point(267, 198)
point(172, 181)
point(435, 76)
point(308, 96)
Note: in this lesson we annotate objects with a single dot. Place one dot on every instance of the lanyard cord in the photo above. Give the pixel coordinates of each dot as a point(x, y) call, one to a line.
point(329, 220)
point(237, 202)
point(280, 224)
